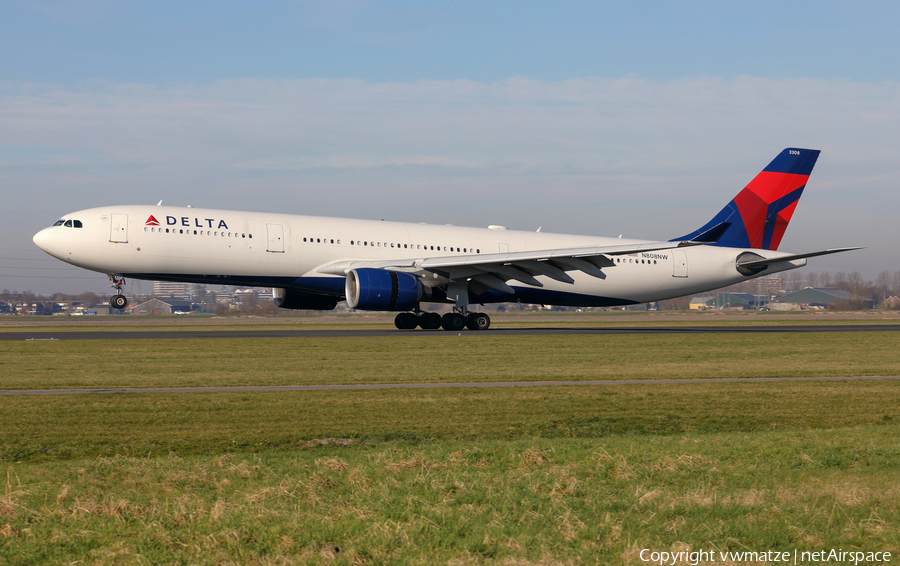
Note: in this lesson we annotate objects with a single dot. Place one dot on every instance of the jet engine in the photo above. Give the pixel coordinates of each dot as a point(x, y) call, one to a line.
point(382, 290)
point(292, 299)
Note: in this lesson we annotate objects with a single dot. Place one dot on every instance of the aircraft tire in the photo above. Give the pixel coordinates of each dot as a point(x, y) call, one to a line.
point(429, 321)
point(406, 321)
point(453, 321)
point(118, 302)
point(478, 321)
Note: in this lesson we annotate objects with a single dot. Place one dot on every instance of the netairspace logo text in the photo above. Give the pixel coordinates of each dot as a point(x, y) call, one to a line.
point(837, 556)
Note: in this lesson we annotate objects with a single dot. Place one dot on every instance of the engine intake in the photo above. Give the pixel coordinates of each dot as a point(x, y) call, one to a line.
point(298, 300)
point(382, 290)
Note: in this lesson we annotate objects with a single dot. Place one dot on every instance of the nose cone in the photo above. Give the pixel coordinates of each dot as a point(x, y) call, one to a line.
point(42, 239)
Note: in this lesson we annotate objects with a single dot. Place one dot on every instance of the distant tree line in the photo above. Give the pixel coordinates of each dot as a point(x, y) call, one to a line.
point(884, 291)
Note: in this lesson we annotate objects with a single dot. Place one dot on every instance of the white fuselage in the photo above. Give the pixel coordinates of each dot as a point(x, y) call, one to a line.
point(290, 251)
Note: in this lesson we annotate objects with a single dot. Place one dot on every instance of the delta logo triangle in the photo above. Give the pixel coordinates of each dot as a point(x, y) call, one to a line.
point(152, 221)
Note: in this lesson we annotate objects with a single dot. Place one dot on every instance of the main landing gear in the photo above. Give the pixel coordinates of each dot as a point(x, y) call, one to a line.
point(118, 301)
point(450, 321)
point(457, 320)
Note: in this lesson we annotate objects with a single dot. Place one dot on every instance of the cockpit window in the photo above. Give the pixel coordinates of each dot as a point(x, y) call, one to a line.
point(77, 223)
point(68, 224)
point(59, 222)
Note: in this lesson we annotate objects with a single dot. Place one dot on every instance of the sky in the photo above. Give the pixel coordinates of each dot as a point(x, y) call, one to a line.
point(635, 118)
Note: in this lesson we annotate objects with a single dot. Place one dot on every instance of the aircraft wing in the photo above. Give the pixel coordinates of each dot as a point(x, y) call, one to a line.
point(494, 270)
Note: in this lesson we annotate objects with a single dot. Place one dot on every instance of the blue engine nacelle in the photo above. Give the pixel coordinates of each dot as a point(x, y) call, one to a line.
point(293, 299)
point(382, 290)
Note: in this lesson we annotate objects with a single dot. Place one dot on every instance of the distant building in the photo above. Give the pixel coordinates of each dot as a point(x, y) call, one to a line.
point(769, 285)
point(823, 298)
point(728, 300)
point(153, 306)
point(170, 290)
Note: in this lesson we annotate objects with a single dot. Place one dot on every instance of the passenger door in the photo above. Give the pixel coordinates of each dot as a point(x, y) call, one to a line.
point(118, 228)
point(276, 238)
point(681, 265)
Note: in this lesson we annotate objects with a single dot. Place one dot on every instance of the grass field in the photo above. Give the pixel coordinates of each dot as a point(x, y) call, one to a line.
point(440, 358)
point(518, 476)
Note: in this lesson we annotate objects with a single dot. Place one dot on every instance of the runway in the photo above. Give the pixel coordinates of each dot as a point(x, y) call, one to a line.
point(308, 332)
point(471, 385)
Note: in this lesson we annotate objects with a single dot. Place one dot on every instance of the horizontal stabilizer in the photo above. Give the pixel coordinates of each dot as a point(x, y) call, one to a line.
point(769, 261)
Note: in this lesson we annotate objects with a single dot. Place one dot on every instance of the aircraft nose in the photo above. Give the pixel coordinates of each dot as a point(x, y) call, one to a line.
point(42, 239)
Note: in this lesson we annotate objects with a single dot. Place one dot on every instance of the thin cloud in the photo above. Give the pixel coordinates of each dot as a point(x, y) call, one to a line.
point(587, 155)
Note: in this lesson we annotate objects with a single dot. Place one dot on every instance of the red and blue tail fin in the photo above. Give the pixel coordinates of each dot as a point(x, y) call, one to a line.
point(758, 216)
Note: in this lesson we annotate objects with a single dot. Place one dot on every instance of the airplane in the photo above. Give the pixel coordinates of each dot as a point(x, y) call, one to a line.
point(313, 262)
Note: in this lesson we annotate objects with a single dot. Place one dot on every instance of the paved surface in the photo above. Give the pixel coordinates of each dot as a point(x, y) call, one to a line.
point(363, 333)
point(474, 385)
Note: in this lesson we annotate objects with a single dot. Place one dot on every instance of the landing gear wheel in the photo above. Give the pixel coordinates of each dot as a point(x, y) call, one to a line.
point(118, 301)
point(453, 321)
point(478, 321)
point(429, 321)
point(406, 321)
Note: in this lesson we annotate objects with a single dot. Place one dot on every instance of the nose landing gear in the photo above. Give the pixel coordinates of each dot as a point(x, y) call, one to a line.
point(118, 301)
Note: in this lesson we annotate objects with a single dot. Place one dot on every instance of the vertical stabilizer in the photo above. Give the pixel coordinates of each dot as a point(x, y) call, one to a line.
point(759, 215)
